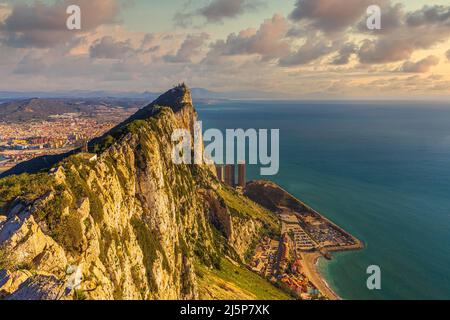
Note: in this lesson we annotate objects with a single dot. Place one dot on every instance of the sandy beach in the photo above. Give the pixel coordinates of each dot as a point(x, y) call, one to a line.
point(310, 268)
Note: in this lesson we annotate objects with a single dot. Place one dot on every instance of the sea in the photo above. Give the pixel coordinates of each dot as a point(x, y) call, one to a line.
point(380, 170)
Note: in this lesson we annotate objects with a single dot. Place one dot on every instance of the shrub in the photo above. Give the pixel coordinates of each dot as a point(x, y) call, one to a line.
point(69, 233)
point(26, 187)
point(4, 259)
point(79, 295)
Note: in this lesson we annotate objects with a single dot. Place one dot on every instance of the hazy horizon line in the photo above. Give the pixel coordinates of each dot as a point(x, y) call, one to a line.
point(227, 95)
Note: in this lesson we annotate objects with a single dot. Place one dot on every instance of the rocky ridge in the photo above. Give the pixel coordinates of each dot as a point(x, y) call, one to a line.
point(125, 222)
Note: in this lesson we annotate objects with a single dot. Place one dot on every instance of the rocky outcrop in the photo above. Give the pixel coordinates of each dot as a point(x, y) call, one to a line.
point(122, 222)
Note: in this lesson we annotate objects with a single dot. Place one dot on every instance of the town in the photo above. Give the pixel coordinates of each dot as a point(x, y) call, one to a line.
point(279, 261)
point(306, 236)
point(23, 140)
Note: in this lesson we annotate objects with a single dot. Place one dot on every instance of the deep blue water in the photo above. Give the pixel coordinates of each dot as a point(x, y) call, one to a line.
point(381, 170)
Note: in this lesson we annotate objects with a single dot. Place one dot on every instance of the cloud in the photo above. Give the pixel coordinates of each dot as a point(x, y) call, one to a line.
point(344, 54)
point(313, 49)
point(392, 17)
point(5, 10)
point(410, 86)
point(429, 15)
point(108, 48)
point(218, 10)
point(421, 66)
point(160, 45)
point(189, 48)
point(421, 29)
point(448, 55)
point(42, 26)
point(331, 15)
point(267, 41)
point(297, 56)
point(385, 50)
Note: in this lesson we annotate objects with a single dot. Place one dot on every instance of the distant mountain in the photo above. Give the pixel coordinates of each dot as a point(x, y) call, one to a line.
point(79, 94)
point(42, 108)
point(197, 94)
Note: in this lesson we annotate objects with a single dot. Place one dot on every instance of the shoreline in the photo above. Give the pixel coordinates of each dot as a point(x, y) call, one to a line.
point(359, 244)
point(310, 264)
point(292, 211)
point(311, 259)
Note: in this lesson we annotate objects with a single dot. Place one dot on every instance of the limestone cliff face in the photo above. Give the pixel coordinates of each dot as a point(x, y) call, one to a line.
point(123, 222)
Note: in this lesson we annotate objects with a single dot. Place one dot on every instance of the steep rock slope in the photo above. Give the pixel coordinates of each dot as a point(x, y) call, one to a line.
point(125, 222)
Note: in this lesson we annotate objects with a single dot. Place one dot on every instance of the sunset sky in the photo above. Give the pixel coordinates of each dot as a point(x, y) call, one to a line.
point(294, 48)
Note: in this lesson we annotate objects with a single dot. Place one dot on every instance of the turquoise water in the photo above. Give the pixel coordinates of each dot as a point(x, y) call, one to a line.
point(381, 170)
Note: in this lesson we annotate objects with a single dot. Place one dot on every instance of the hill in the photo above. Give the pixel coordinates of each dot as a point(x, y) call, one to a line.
point(125, 222)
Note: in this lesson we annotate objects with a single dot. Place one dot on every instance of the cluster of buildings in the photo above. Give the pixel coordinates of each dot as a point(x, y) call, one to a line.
point(227, 174)
point(309, 231)
point(21, 142)
point(291, 227)
point(264, 261)
point(46, 135)
point(37, 143)
point(290, 270)
point(299, 284)
point(301, 234)
point(324, 233)
point(279, 262)
point(305, 236)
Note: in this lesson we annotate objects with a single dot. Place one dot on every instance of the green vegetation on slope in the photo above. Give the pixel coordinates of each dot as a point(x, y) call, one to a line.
point(26, 187)
point(103, 143)
point(60, 213)
point(218, 277)
point(271, 196)
point(65, 229)
point(235, 282)
point(243, 207)
point(4, 259)
point(150, 245)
